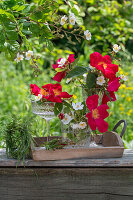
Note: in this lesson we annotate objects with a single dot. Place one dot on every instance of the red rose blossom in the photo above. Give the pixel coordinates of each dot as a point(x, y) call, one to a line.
point(55, 93)
point(59, 76)
point(114, 85)
point(103, 63)
point(34, 89)
point(61, 67)
point(106, 98)
point(97, 114)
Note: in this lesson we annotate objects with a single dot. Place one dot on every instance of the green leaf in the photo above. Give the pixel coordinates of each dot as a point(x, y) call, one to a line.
point(67, 104)
point(58, 108)
point(76, 61)
point(91, 80)
point(35, 29)
point(26, 32)
point(49, 45)
point(92, 9)
point(79, 20)
point(42, 39)
point(9, 25)
point(13, 46)
point(64, 8)
point(9, 15)
point(60, 69)
point(74, 10)
point(77, 71)
point(2, 38)
point(15, 7)
point(2, 11)
point(12, 35)
point(46, 32)
point(107, 94)
point(1, 46)
point(20, 8)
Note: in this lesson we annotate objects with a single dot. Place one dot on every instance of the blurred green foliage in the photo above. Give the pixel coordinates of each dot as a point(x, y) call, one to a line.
point(110, 22)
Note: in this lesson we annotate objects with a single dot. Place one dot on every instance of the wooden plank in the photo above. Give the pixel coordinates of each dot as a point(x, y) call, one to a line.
point(125, 161)
point(66, 184)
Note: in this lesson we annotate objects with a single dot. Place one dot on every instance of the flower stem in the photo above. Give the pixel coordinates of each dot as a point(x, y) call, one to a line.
point(48, 129)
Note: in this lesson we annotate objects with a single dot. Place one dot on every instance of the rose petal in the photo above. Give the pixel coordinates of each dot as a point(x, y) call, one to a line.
point(101, 125)
point(58, 61)
point(113, 67)
point(107, 59)
point(102, 109)
point(92, 101)
point(106, 98)
point(65, 95)
point(114, 85)
point(35, 89)
point(95, 58)
point(59, 76)
point(71, 58)
point(55, 66)
point(91, 121)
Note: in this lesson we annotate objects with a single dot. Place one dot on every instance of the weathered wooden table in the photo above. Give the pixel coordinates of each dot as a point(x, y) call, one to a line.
point(84, 179)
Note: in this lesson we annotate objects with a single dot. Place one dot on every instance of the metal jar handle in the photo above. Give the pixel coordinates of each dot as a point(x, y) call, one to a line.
point(124, 128)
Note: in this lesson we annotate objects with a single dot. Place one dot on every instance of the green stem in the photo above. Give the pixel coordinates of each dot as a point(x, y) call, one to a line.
point(48, 129)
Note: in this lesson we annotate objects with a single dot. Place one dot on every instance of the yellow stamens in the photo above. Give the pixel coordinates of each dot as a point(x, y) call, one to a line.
point(43, 92)
point(57, 92)
point(95, 114)
point(104, 64)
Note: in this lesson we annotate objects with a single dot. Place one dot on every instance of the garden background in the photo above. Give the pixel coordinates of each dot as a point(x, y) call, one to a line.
point(110, 22)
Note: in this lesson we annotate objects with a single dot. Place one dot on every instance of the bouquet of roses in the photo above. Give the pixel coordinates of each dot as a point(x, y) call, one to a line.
point(99, 80)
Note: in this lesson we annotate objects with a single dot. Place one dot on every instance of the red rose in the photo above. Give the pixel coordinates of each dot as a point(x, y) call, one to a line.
point(106, 98)
point(34, 89)
point(103, 63)
point(61, 67)
point(55, 93)
point(97, 114)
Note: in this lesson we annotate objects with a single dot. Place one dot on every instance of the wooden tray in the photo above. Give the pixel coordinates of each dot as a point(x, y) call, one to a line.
point(112, 147)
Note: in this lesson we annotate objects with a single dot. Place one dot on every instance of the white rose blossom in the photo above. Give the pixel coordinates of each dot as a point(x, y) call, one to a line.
point(82, 125)
point(67, 118)
point(62, 62)
point(100, 80)
point(75, 126)
point(28, 55)
point(87, 34)
point(72, 19)
point(116, 48)
point(123, 77)
point(38, 98)
point(63, 20)
point(77, 106)
point(19, 58)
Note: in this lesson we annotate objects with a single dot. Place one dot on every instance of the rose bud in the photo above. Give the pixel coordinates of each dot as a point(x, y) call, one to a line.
point(61, 116)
